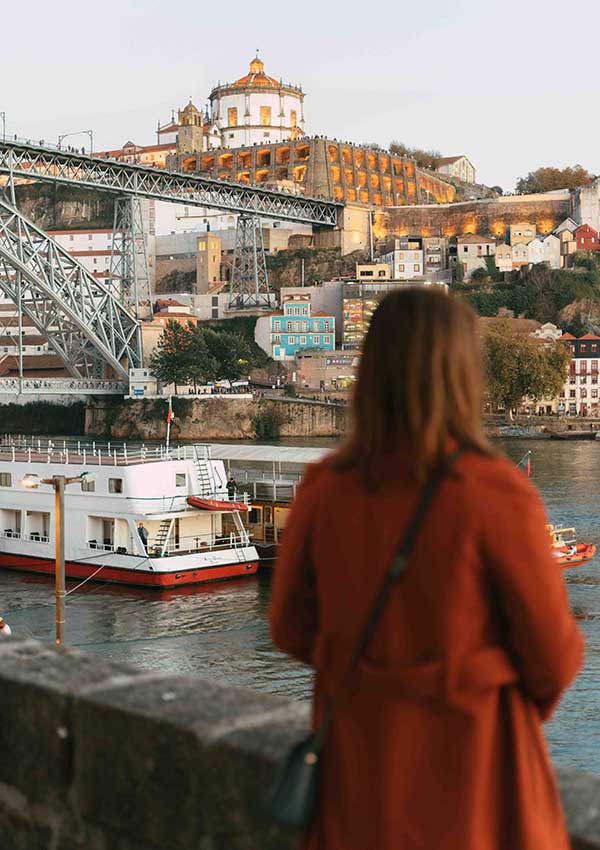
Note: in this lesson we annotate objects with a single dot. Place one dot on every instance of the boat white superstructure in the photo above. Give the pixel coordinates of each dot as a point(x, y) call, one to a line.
point(143, 516)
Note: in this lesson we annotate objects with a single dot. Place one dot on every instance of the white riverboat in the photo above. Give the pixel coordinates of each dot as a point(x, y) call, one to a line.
point(143, 517)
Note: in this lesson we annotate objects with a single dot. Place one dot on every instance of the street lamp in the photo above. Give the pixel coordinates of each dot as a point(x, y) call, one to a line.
point(32, 482)
point(89, 133)
point(3, 116)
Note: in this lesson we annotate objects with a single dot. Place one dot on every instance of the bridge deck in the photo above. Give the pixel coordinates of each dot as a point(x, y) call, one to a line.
point(22, 159)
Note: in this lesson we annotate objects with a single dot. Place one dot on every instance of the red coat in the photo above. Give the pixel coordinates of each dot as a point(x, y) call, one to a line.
point(438, 744)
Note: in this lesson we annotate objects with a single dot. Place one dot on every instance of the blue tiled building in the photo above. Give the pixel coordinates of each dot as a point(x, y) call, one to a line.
point(295, 328)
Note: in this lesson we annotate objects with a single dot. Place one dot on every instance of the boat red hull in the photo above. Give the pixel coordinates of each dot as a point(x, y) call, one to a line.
point(584, 554)
point(124, 575)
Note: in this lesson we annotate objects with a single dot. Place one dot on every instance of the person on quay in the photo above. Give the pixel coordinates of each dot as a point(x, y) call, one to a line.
point(436, 739)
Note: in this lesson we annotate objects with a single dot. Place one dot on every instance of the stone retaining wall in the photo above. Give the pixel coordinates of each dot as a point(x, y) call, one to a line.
point(99, 756)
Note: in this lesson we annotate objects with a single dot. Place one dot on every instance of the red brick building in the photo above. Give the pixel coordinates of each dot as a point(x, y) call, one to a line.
point(587, 238)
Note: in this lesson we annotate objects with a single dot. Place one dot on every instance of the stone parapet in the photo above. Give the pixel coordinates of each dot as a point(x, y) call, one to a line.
point(100, 756)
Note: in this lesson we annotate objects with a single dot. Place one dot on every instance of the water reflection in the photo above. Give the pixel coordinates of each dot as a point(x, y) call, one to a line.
point(220, 631)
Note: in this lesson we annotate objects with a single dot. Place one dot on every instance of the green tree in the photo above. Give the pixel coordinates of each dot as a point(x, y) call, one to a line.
point(459, 272)
point(423, 158)
point(547, 179)
point(170, 361)
point(519, 367)
point(230, 351)
point(203, 366)
point(480, 275)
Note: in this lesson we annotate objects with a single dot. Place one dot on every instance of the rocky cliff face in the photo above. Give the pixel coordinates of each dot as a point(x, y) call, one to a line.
point(54, 207)
point(216, 419)
point(285, 267)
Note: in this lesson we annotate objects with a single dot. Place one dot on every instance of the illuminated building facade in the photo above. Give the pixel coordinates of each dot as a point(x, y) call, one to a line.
point(322, 167)
point(257, 109)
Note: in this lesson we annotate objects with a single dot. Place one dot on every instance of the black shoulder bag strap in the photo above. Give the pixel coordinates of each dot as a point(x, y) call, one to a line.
point(396, 569)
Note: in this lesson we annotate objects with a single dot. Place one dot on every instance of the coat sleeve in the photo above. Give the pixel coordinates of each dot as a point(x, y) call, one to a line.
point(293, 614)
point(545, 641)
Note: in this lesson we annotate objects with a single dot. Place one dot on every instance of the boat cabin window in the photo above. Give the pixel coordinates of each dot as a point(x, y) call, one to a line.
point(5, 479)
point(88, 486)
point(268, 514)
point(180, 479)
point(255, 515)
point(115, 485)
point(38, 526)
point(100, 532)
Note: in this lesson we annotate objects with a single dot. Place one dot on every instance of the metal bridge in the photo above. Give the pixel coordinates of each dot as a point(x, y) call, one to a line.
point(19, 159)
point(91, 326)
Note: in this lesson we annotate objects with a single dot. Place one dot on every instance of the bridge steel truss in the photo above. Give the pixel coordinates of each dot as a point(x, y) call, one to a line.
point(24, 160)
point(82, 319)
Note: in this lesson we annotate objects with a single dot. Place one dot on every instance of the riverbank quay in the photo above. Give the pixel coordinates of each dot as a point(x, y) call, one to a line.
point(100, 755)
point(201, 419)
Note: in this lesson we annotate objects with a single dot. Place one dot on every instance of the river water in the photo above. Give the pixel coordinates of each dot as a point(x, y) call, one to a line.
point(220, 630)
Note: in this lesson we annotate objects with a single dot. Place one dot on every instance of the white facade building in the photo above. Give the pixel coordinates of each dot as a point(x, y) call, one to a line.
point(457, 166)
point(257, 109)
point(472, 251)
point(552, 251)
point(535, 250)
point(504, 259)
point(406, 260)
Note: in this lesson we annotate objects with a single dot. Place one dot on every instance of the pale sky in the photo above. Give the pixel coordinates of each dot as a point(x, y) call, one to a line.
point(513, 85)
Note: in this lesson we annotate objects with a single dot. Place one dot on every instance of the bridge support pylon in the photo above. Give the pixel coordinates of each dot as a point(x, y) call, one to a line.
point(129, 277)
point(249, 286)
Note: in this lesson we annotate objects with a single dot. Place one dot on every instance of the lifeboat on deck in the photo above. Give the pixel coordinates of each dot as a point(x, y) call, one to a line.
point(216, 505)
point(567, 551)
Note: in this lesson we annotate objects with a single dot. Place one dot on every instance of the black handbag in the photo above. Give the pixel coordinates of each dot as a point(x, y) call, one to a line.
point(292, 796)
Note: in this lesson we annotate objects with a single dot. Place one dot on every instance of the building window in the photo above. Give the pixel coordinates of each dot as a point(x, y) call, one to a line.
point(90, 237)
point(277, 339)
point(583, 392)
point(265, 116)
point(115, 485)
point(583, 347)
point(293, 118)
point(302, 340)
point(277, 325)
point(572, 394)
point(595, 393)
point(416, 267)
point(180, 479)
point(401, 268)
point(232, 116)
point(326, 340)
point(88, 486)
point(326, 326)
point(5, 479)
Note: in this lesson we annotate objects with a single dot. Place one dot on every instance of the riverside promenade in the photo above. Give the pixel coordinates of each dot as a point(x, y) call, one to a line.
point(101, 756)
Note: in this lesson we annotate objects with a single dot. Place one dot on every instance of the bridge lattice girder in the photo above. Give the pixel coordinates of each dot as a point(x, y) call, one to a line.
point(80, 317)
point(23, 160)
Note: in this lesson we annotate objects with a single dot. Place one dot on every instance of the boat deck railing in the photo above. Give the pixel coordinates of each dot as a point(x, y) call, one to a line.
point(92, 452)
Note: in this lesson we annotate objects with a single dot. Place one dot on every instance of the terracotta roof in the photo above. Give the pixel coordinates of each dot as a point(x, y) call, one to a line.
point(169, 302)
point(448, 160)
point(589, 336)
point(257, 76)
point(568, 336)
point(475, 240)
point(322, 314)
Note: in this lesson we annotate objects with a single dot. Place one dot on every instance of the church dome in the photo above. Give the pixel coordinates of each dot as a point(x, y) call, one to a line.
point(190, 108)
point(257, 77)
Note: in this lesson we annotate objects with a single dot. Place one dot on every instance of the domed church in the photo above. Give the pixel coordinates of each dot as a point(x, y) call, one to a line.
point(257, 109)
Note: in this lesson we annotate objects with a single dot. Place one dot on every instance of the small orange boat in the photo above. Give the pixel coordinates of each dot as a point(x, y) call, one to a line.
point(567, 551)
point(218, 505)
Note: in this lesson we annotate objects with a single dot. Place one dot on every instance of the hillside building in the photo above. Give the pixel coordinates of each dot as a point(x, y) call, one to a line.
point(459, 167)
point(295, 328)
point(472, 252)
